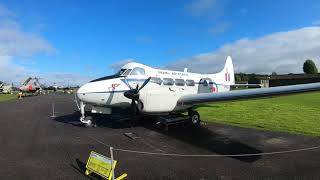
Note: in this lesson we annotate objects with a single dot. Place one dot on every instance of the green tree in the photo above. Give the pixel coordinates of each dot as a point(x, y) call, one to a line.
point(238, 77)
point(274, 73)
point(309, 67)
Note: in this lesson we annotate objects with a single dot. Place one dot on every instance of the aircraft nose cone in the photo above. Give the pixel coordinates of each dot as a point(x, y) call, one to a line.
point(84, 89)
point(81, 93)
point(80, 90)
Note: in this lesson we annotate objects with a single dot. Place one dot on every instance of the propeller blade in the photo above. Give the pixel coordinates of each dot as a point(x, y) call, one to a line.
point(134, 93)
point(145, 83)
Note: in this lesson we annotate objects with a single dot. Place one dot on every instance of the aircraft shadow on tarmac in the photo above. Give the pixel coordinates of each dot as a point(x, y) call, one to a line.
point(81, 168)
point(197, 136)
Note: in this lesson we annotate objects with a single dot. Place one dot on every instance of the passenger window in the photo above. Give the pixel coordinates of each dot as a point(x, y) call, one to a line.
point(156, 80)
point(127, 72)
point(168, 81)
point(137, 71)
point(179, 82)
point(189, 82)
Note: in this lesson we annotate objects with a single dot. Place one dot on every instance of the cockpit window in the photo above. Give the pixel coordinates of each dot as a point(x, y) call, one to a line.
point(126, 73)
point(121, 71)
point(137, 71)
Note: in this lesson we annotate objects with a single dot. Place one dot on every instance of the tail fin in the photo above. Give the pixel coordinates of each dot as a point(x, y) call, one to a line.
point(228, 71)
point(26, 81)
point(226, 76)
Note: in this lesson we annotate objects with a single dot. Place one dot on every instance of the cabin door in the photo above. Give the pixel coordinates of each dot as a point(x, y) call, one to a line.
point(205, 85)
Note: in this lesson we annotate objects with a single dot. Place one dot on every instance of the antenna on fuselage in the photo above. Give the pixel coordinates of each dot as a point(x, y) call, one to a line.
point(185, 70)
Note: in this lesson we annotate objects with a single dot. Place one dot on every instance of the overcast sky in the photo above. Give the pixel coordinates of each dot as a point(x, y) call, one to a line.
point(72, 42)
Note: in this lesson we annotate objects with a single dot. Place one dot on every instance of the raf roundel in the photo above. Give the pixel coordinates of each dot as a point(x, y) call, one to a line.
point(214, 88)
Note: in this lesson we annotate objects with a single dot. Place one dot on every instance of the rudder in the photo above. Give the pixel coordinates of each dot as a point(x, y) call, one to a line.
point(228, 71)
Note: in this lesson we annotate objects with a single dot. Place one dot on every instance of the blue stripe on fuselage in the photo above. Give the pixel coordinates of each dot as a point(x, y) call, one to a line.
point(120, 91)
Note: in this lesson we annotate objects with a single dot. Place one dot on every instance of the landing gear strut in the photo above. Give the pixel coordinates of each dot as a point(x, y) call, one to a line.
point(194, 117)
point(85, 120)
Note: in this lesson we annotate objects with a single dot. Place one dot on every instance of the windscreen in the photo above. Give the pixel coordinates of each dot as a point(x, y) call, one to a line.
point(120, 73)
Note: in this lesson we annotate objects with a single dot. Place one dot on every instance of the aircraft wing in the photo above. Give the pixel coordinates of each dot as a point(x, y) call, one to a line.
point(247, 94)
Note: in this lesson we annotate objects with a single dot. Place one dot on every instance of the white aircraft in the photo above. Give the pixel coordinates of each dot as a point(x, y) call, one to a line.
point(6, 88)
point(161, 92)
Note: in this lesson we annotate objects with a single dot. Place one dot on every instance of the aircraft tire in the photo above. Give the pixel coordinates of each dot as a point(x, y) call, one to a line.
point(89, 120)
point(194, 118)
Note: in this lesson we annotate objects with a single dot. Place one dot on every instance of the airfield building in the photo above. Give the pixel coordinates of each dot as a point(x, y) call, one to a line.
point(288, 79)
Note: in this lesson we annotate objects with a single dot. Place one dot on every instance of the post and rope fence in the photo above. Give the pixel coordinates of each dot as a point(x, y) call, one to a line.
point(206, 155)
point(112, 166)
point(53, 111)
point(113, 162)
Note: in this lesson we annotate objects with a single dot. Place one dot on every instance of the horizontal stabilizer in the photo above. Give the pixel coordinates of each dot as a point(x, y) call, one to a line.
point(246, 85)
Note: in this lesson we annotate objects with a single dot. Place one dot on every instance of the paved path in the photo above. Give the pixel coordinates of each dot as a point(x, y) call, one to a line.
point(35, 146)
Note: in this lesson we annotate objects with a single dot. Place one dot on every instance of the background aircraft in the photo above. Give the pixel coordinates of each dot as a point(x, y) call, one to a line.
point(6, 88)
point(31, 85)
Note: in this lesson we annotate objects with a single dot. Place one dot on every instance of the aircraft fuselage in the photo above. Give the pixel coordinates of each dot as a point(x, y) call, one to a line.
point(160, 95)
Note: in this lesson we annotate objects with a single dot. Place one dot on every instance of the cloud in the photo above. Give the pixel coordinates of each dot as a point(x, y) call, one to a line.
point(205, 8)
point(316, 23)
point(9, 24)
point(64, 79)
point(15, 42)
point(219, 28)
point(117, 65)
point(282, 52)
point(19, 45)
point(10, 72)
point(4, 11)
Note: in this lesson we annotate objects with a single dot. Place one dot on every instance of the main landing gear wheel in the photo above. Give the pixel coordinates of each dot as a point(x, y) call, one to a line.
point(194, 118)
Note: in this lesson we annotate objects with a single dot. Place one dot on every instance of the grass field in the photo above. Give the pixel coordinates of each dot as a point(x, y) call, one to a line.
point(298, 114)
point(7, 97)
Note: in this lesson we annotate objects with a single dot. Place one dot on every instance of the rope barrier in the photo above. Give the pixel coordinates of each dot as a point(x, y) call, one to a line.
point(206, 155)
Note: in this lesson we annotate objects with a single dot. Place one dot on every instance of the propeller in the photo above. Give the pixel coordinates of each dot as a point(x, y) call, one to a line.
point(133, 94)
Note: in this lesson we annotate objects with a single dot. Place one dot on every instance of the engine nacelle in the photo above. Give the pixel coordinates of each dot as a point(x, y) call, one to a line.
point(159, 100)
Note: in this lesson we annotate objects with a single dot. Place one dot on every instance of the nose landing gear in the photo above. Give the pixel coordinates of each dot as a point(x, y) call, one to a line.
point(87, 121)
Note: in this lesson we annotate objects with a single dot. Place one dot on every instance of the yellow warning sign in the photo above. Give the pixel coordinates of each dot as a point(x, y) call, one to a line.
point(100, 164)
